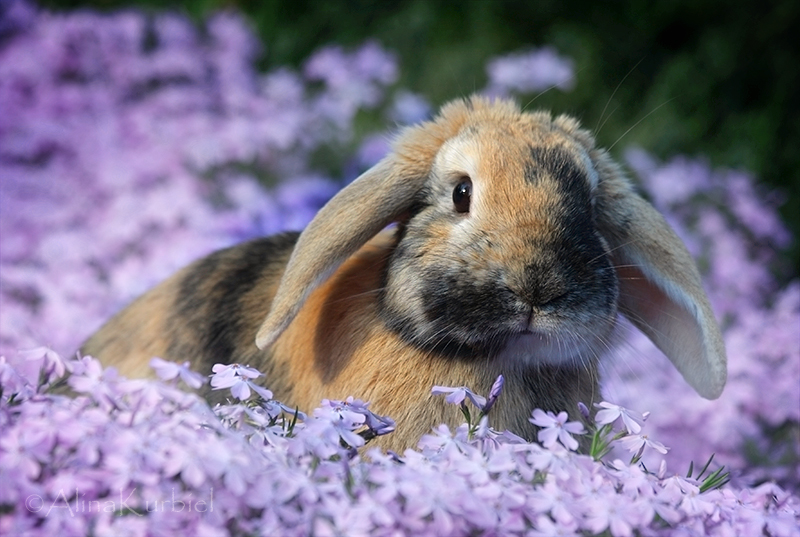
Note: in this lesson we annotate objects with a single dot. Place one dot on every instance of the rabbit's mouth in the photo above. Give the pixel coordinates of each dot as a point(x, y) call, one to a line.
point(536, 339)
point(533, 347)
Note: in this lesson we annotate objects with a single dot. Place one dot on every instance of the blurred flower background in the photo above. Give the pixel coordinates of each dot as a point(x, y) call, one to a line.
point(135, 139)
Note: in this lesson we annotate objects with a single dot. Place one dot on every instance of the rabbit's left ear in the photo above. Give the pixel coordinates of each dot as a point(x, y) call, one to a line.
point(660, 289)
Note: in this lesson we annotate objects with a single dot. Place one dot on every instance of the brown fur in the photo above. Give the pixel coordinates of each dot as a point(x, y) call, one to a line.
point(347, 310)
point(172, 321)
point(137, 333)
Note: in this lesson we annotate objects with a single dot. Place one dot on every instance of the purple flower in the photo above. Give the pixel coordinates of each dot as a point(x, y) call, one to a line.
point(379, 425)
point(618, 514)
point(556, 428)
point(22, 449)
point(88, 376)
point(52, 365)
point(456, 396)
point(584, 410)
point(172, 450)
point(635, 443)
point(344, 419)
point(173, 370)
point(545, 527)
point(494, 393)
point(12, 382)
point(275, 408)
point(490, 441)
point(611, 412)
point(409, 108)
point(372, 150)
point(352, 414)
point(530, 71)
point(237, 377)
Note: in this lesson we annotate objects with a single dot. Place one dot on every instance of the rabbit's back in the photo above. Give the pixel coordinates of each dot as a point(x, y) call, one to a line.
point(205, 313)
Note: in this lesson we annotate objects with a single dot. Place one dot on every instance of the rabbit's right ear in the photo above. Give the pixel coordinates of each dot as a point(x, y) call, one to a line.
point(378, 197)
point(351, 218)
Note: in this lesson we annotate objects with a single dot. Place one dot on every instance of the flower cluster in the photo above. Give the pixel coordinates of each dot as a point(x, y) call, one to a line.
point(133, 457)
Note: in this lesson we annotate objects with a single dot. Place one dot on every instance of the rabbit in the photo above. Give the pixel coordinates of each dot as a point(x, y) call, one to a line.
point(489, 241)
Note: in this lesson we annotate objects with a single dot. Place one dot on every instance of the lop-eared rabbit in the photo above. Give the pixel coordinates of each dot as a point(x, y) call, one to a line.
point(516, 244)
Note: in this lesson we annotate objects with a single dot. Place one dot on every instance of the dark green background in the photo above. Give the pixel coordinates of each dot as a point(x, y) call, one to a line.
point(705, 77)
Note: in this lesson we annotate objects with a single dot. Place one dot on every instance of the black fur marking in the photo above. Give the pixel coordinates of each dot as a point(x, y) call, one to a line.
point(576, 246)
point(458, 318)
point(557, 164)
point(215, 316)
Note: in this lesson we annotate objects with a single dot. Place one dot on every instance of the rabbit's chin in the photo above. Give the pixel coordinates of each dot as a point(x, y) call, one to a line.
point(538, 348)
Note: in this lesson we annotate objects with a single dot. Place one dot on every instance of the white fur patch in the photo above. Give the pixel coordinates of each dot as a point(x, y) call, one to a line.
point(543, 349)
point(458, 156)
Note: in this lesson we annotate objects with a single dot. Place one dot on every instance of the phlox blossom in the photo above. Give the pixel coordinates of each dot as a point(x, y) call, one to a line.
point(556, 428)
point(238, 378)
point(52, 363)
point(611, 412)
point(636, 443)
point(457, 395)
point(173, 370)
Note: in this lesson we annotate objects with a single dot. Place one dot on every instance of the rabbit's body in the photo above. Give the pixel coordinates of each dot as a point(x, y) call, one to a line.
point(304, 367)
point(517, 244)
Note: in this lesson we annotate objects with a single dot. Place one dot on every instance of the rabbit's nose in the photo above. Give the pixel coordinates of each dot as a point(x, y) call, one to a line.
point(542, 286)
point(542, 299)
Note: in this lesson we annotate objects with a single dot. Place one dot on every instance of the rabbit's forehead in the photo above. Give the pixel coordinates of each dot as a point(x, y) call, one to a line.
point(508, 154)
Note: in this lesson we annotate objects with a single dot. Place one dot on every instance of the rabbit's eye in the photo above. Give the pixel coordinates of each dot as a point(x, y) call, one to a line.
point(461, 195)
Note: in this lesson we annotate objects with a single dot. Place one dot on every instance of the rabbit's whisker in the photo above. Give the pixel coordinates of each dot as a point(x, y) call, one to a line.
point(600, 126)
point(651, 112)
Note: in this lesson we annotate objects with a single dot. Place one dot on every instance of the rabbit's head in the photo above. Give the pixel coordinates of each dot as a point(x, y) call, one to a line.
point(517, 241)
